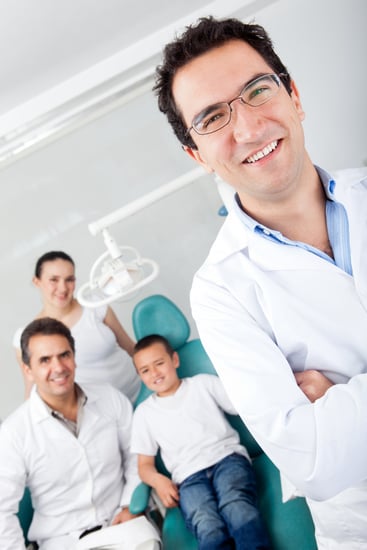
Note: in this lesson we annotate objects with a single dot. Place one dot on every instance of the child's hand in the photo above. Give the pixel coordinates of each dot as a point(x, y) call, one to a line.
point(167, 491)
point(313, 383)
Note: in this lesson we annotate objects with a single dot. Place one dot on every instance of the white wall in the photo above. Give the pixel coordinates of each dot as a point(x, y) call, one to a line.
point(49, 197)
point(324, 46)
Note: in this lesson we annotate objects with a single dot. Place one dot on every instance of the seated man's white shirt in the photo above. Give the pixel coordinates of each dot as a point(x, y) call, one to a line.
point(75, 482)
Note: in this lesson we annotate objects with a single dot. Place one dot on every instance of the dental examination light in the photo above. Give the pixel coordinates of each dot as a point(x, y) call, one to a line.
point(120, 271)
point(116, 274)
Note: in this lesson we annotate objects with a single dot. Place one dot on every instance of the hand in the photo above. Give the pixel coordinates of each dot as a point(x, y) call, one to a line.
point(124, 515)
point(167, 491)
point(313, 383)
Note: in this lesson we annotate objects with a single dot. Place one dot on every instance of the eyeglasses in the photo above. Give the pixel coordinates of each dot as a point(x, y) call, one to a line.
point(255, 93)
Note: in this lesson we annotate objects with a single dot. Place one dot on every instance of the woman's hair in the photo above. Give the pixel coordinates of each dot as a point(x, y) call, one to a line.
point(44, 326)
point(208, 33)
point(50, 257)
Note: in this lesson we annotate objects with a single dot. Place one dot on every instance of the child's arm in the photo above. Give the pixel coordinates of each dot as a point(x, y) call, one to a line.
point(166, 489)
point(313, 383)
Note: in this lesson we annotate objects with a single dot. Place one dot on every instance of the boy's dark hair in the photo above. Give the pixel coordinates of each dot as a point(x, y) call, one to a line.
point(207, 34)
point(151, 339)
point(43, 326)
point(51, 257)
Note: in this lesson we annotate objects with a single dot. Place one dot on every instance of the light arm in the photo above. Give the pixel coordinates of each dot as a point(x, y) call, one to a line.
point(123, 339)
point(165, 488)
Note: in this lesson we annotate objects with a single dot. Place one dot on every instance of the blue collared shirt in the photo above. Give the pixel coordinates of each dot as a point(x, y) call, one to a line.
point(337, 226)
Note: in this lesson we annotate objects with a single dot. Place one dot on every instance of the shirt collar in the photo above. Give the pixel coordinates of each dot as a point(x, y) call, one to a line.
point(329, 187)
point(42, 411)
point(81, 397)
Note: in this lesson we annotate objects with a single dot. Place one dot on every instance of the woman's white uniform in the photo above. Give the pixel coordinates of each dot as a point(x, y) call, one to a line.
point(98, 356)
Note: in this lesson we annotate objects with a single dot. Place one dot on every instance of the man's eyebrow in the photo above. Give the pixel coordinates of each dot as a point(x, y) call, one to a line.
point(251, 80)
point(207, 110)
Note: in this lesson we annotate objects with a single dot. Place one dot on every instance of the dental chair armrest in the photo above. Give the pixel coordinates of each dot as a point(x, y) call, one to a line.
point(140, 499)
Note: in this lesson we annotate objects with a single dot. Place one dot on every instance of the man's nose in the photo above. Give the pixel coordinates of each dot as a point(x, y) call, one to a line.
point(247, 122)
point(57, 364)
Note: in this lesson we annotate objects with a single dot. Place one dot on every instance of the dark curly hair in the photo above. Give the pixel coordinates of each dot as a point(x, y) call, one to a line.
point(197, 39)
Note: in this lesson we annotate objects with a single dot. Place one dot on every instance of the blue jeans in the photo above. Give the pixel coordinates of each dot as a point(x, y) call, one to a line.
point(219, 506)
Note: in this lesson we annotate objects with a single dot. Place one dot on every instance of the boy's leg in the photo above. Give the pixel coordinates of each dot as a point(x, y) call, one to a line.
point(235, 486)
point(200, 511)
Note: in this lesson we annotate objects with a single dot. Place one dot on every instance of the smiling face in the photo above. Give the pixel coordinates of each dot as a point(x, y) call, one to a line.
point(56, 283)
point(157, 369)
point(261, 151)
point(51, 367)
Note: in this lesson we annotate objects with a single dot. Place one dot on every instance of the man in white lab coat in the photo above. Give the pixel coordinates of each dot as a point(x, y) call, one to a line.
point(281, 301)
point(69, 445)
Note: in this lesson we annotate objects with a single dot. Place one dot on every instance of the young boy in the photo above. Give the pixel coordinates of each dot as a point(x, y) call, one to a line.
point(212, 478)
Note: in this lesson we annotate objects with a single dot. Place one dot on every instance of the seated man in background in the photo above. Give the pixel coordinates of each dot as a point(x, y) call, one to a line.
point(212, 477)
point(69, 445)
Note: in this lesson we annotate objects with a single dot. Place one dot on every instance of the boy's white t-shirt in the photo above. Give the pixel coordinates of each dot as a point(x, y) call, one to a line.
point(189, 427)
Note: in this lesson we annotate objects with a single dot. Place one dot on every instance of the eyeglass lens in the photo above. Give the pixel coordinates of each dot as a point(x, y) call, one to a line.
point(256, 93)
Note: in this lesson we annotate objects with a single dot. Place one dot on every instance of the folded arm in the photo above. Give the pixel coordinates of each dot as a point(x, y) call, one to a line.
point(321, 447)
point(313, 383)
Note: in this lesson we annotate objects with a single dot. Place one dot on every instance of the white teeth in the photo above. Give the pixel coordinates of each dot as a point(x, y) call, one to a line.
point(263, 153)
point(58, 378)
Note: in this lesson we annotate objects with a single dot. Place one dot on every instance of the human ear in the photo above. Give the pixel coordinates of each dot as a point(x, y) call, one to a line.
point(195, 154)
point(27, 371)
point(36, 281)
point(175, 360)
point(297, 100)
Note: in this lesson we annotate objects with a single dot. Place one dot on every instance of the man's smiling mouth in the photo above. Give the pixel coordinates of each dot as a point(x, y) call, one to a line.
point(263, 153)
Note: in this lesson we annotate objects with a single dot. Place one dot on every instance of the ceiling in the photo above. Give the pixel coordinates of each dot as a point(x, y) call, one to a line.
point(46, 45)
point(62, 61)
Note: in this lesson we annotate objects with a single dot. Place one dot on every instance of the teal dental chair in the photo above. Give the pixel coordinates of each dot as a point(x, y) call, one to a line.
point(25, 513)
point(289, 524)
